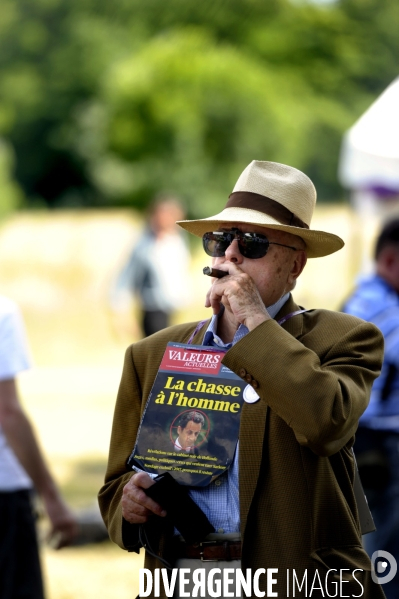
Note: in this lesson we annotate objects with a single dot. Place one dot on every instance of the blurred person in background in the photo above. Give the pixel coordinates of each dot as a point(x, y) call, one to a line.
point(22, 468)
point(376, 299)
point(157, 267)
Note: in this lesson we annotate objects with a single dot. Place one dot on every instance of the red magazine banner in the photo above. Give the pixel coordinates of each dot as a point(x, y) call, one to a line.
point(187, 359)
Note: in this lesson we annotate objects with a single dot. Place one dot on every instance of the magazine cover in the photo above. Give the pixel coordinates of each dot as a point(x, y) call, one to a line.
point(191, 420)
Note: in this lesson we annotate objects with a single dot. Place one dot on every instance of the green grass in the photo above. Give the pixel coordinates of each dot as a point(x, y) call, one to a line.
point(101, 571)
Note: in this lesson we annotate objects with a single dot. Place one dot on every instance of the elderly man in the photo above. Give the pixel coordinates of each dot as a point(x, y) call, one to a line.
point(287, 501)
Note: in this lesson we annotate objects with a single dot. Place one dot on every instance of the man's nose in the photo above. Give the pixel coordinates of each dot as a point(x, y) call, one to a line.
point(233, 253)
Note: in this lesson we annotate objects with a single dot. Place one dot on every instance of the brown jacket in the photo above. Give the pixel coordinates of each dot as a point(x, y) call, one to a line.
point(297, 505)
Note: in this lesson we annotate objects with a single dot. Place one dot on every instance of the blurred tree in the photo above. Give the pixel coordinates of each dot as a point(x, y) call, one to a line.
point(104, 102)
point(11, 195)
point(187, 113)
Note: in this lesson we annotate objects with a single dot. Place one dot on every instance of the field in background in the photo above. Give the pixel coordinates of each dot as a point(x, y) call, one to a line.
point(59, 267)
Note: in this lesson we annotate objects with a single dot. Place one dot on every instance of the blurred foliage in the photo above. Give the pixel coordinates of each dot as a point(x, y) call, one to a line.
point(11, 195)
point(106, 103)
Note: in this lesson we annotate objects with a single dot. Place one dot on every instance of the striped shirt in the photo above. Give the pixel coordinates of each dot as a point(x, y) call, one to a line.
point(220, 500)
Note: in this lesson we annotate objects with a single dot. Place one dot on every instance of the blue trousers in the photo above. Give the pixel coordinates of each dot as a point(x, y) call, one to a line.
point(384, 506)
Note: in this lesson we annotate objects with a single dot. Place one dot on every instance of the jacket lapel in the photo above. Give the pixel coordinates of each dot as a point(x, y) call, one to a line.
point(293, 325)
point(252, 434)
point(253, 427)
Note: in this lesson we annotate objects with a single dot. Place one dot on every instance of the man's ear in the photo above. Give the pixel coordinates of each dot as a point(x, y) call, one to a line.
point(388, 265)
point(298, 264)
point(391, 257)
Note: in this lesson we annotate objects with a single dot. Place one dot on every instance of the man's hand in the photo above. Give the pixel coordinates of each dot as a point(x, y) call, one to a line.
point(240, 297)
point(137, 507)
point(64, 525)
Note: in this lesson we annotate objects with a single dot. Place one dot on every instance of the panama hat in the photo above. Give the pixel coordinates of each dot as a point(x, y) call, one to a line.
point(276, 196)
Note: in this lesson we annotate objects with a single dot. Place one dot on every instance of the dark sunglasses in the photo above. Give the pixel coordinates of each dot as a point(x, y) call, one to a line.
point(251, 245)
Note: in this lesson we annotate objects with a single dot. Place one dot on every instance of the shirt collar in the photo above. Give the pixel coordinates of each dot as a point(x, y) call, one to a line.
point(211, 338)
point(179, 447)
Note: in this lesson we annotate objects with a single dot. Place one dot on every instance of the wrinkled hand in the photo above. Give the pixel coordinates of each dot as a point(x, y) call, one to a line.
point(64, 525)
point(240, 297)
point(137, 507)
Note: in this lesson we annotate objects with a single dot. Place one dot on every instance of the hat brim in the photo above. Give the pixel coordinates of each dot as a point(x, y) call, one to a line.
point(318, 243)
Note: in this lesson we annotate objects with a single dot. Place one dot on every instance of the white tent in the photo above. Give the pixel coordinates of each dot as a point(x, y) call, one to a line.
point(369, 167)
point(370, 149)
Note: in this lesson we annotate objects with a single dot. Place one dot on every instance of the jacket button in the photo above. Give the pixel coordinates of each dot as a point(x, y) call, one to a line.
point(242, 372)
point(255, 384)
point(248, 378)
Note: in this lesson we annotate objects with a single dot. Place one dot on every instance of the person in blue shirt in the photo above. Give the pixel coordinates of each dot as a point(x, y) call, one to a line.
point(376, 299)
point(147, 275)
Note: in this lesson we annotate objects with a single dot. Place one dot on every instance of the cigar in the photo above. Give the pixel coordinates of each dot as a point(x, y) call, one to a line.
point(214, 272)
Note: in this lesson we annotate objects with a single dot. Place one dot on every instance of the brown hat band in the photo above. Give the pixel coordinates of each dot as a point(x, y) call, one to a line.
point(255, 201)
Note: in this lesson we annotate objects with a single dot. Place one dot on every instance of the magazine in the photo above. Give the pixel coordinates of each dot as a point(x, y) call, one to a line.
point(191, 421)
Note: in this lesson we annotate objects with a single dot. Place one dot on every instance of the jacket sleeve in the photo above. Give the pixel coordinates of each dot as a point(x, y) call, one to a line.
point(124, 430)
point(319, 385)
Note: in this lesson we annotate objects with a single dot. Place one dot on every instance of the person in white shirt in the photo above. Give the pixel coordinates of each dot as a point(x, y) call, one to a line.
point(22, 468)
